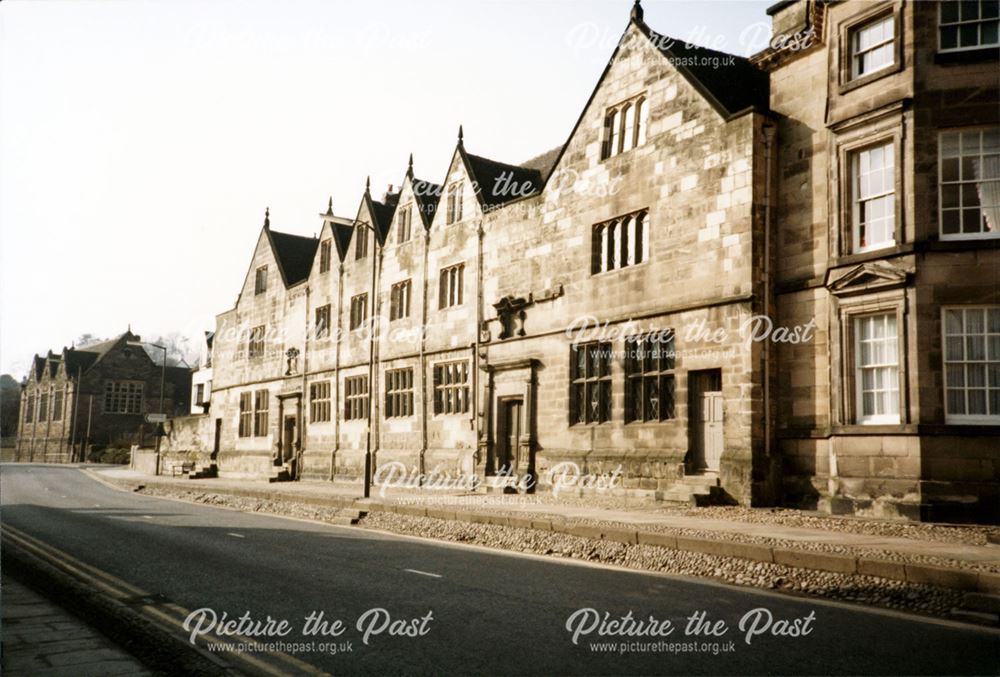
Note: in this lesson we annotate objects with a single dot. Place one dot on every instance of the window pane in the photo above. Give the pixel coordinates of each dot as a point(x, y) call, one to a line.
point(955, 376)
point(949, 37)
point(977, 402)
point(956, 401)
point(976, 375)
point(949, 11)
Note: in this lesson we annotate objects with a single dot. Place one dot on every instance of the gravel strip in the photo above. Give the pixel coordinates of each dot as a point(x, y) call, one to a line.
point(496, 508)
point(867, 590)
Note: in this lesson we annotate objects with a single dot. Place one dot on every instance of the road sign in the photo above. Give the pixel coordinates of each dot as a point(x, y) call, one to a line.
point(156, 418)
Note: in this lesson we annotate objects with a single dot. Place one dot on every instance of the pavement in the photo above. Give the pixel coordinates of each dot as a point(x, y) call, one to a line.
point(438, 608)
point(642, 516)
point(41, 639)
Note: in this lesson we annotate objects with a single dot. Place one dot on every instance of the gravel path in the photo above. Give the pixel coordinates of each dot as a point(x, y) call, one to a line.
point(867, 590)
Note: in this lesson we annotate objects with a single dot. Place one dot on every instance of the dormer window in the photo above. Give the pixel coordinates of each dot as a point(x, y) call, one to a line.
point(625, 126)
point(260, 282)
point(454, 213)
point(404, 223)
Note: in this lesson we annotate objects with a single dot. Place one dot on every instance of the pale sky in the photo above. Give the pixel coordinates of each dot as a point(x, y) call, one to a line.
point(141, 141)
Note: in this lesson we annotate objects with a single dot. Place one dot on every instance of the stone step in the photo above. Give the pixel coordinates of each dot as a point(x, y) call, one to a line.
point(977, 617)
point(981, 601)
point(348, 519)
point(707, 480)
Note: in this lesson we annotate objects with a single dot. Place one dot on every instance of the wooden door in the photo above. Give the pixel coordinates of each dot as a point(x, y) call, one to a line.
point(509, 434)
point(711, 429)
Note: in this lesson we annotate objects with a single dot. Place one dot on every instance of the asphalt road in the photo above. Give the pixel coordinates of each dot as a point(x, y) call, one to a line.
point(492, 612)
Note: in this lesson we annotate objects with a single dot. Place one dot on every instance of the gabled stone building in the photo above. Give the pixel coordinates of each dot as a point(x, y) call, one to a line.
point(97, 395)
point(742, 277)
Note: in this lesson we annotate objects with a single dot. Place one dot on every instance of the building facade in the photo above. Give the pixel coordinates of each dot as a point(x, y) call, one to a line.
point(96, 396)
point(887, 228)
point(721, 280)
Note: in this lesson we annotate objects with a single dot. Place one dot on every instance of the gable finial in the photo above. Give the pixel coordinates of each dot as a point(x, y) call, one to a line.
point(329, 206)
point(461, 136)
point(409, 168)
point(636, 11)
point(267, 217)
point(368, 185)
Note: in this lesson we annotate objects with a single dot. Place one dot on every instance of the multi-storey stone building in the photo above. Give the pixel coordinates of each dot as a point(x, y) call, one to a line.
point(97, 395)
point(608, 303)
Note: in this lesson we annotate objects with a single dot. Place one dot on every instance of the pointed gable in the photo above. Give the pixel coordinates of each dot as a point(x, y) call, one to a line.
point(730, 84)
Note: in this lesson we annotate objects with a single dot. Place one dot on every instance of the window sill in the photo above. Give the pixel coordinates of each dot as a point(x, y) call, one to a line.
point(872, 255)
point(634, 266)
point(639, 424)
point(874, 429)
point(868, 78)
point(972, 420)
point(954, 57)
point(969, 236)
point(624, 152)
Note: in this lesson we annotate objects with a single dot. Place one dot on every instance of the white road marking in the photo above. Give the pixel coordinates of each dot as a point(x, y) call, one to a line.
point(229, 533)
point(423, 573)
point(149, 517)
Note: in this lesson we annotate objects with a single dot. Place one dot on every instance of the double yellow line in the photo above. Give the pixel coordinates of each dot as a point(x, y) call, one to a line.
point(167, 616)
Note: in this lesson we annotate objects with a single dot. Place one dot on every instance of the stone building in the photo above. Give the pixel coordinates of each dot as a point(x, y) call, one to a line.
point(886, 226)
point(737, 278)
point(96, 395)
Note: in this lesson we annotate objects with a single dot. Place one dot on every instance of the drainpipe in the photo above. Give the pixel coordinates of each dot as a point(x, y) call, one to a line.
point(304, 399)
point(336, 371)
point(769, 133)
point(481, 233)
point(423, 360)
point(76, 407)
point(374, 396)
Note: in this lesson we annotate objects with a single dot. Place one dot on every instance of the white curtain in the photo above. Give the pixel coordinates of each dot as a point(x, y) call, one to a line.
point(988, 188)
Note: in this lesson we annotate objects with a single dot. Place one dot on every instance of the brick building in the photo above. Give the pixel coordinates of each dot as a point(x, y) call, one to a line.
point(606, 303)
point(96, 395)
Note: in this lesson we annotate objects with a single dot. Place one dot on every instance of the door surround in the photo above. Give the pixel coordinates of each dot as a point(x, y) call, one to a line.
point(508, 382)
point(290, 452)
point(705, 421)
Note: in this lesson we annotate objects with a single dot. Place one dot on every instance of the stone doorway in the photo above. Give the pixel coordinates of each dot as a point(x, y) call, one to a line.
point(705, 421)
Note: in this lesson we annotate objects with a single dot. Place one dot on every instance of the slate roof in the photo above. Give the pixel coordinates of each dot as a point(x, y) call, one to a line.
point(545, 162)
point(734, 82)
point(428, 196)
point(294, 254)
point(499, 183)
point(382, 215)
point(342, 233)
point(78, 360)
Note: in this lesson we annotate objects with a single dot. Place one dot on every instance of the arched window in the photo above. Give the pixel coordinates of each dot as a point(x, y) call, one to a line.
point(640, 122)
point(628, 122)
point(615, 133)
